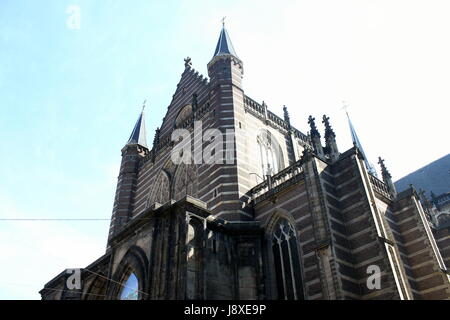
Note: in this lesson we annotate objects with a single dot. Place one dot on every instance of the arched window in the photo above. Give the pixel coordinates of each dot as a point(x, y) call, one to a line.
point(183, 116)
point(161, 190)
point(97, 288)
point(185, 181)
point(130, 288)
point(287, 261)
point(270, 153)
point(128, 281)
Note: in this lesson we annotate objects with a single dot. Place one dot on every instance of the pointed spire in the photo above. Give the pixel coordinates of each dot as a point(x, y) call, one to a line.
point(384, 170)
point(387, 178)
point(312, 124)
point(224, 45)
point(330, 140)
point(358, 144)
point(138, 136)
point(315, 137)
point(328, 130)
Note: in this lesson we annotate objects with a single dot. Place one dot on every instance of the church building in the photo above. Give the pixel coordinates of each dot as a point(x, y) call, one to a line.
point(230, 201)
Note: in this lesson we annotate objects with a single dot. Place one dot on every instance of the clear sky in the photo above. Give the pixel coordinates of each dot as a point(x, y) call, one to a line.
point(69, 98)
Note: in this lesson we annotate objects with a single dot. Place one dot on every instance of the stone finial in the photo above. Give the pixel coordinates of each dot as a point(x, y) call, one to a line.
point(328, 130)
point(312, 124)
point(315, 138)
point(157, 136)
point(387, 177)
point(187, 63)
point(384, 170)
point(286, 115)
point(330, 139)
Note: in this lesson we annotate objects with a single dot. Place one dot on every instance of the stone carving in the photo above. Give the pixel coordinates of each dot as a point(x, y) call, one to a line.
point(187, 63)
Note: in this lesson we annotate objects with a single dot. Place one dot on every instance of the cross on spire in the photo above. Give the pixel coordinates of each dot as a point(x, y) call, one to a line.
point(223, 21)
point(345, 107)
point(143, 105)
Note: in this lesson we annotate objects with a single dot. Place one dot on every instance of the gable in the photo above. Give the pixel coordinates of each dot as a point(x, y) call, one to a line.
point(191, 82)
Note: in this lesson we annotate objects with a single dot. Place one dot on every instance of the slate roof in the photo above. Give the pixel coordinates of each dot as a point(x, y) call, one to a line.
point(138, 136)
point(434, 177)
point(224, 45)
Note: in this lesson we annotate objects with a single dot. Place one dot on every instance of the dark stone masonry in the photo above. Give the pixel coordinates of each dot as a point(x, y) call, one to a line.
point(284, 217)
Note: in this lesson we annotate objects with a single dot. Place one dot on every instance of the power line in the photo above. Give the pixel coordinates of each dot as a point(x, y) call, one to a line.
point(68, 219)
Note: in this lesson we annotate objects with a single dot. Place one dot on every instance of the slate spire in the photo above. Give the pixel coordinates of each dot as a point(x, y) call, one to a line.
point(138, 135)
point(224, 45)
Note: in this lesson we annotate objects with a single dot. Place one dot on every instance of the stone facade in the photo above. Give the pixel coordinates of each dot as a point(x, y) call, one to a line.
point(282, 218)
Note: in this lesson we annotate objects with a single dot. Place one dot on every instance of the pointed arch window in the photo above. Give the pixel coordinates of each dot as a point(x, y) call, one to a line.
point(270, 153)
point(287, 261)
point(161, 190)
point(130, 289)
point(185, 181)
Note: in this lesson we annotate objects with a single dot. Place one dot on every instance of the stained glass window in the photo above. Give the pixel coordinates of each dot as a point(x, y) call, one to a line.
point(287, 262)
point(130, 289)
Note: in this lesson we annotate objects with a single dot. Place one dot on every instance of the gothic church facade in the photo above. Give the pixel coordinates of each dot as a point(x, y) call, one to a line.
point(284, 217)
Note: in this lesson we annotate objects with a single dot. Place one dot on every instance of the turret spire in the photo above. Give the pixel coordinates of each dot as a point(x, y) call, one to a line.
point(224, 45)
point(138, 135)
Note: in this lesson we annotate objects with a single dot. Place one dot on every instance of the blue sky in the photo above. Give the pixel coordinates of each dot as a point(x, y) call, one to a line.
point(69, 98)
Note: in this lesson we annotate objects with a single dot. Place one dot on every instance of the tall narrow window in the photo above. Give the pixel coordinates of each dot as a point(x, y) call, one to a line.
point(270, 153)
point(287, 262)
point(130, 289)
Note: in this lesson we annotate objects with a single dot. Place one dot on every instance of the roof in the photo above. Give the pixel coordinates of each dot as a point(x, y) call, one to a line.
point(138, 136)
point(224, 45)
point(432, 177)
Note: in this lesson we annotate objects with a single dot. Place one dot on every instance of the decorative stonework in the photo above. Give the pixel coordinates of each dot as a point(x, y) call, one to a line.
point(161, 190)
point(185, 181)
